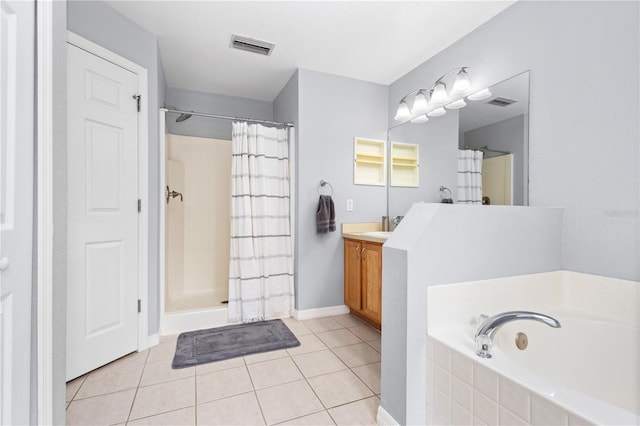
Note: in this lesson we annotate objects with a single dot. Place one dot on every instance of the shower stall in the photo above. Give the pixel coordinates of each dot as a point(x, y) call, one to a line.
point(196, 223)
point(196, 183)
point(198, 172)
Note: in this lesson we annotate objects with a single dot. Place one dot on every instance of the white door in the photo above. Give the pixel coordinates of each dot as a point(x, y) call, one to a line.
point(16, 206)
point(497, 179)
point(102, 247)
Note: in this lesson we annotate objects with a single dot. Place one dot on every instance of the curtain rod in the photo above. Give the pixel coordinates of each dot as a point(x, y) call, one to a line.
point(226, 117)
point(486, 148)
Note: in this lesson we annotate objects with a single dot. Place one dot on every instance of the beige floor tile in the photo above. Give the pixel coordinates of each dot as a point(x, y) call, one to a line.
point(274, 372)
point(308, 343)
point(297, 327)
point(169, 338)
point(336, 338)
point(316, 363)
point(73, 386)
point(288, 401)
point(164, 397)
point(317, 419)
point(222, 384)
point(236, 410)
point(376, 344)
point(355, 355)
point(109, 380)
point(101, 410)
point(266, 356)
point(132, 358)
point(163, 351)
point(212, 367)
point(362, 412)
point(318, 325)
point(161, 371)
point(370, 375)
point(348, 320)
point(339, 388)
point(366, 333)
point(182, 417)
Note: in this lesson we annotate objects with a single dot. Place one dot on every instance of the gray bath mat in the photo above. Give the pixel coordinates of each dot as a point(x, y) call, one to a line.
point(216, 344)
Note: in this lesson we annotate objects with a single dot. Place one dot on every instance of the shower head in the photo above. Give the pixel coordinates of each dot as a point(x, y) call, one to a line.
point(183, 117)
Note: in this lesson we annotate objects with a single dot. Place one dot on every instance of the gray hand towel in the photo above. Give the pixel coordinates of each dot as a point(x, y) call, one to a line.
point(325, 215)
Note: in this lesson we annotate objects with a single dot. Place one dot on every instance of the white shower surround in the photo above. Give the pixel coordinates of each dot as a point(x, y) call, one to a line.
point(583, 373)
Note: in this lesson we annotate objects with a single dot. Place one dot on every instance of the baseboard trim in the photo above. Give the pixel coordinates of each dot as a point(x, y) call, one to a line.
point(153, 340)
point(384, 418)
point(320, 312)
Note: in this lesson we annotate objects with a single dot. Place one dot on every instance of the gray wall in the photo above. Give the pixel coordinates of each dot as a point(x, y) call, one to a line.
point(438, 161)
point(425, 250)
point(101, 24)
point(507, 135)
point(190, 100)
point(583, 139)
point(286, 108)
point(333, 111)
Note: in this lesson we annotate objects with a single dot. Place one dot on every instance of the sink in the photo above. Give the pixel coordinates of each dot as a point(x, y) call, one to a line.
point(378, 234)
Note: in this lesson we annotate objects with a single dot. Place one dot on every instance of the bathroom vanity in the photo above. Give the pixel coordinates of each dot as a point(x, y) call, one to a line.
point(363, 272)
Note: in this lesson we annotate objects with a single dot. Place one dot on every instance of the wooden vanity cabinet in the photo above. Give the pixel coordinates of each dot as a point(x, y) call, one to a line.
point(363, 279)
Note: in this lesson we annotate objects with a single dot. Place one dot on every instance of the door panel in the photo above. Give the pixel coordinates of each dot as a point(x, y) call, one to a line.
point(17, 28)
point(352, 288)
point(102, 270)
point(372, 280)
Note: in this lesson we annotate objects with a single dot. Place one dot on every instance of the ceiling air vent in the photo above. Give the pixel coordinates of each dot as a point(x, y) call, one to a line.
point(252, 45)
point(501, 102)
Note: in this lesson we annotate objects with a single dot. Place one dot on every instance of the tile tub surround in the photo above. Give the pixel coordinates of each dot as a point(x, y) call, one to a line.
point(509, 390)
point(461, 390)
point(333, 377)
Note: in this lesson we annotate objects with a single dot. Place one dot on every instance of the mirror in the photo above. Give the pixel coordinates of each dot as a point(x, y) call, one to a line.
point(498, 126)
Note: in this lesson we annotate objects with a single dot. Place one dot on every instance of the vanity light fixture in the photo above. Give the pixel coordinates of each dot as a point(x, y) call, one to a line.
point(432, 102)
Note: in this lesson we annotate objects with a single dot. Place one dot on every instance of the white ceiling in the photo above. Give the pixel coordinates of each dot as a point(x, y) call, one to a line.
point(377, 41)
point(481, 113)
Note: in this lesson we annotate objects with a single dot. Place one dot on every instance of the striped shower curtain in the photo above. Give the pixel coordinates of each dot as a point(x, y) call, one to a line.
point(261, 257)
point(469, 176)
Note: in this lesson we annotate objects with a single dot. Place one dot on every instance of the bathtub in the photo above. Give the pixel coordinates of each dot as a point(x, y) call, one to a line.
point(585, 372)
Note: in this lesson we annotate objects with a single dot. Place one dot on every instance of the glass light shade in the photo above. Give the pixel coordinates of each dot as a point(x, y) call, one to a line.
point(403, 113)
point(480, 94)
point(460, 103)
point(420, 119)
point(420, 104)
point(462, 85)
point(437, 112)
point(439, 95)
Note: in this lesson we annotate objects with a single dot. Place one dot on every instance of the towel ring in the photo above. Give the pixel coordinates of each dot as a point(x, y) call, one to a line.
point(442, 189)
point(323, 183)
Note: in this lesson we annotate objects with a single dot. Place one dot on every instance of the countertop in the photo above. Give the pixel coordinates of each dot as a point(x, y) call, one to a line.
point(355, 231)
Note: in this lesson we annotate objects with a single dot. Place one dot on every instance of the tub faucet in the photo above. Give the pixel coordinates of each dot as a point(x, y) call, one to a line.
point(488, 328)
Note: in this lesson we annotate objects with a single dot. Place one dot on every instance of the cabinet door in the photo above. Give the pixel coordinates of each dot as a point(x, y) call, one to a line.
point(372, 281)
point(352, 275)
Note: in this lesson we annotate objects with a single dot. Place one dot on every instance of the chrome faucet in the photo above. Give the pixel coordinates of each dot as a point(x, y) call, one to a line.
point(489, 327)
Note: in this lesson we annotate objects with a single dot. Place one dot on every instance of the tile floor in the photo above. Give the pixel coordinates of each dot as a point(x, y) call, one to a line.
point(333, 377)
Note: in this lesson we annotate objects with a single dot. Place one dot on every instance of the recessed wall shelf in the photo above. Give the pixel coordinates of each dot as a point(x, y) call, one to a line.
point(405, 164)
point(369, 162)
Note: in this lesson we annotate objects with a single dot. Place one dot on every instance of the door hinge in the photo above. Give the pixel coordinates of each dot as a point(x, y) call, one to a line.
point(137, 98)
point(139, 305)
point(139, 205)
